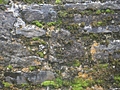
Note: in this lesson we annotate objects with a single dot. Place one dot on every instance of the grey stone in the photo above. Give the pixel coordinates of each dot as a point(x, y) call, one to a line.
point(63, 47)
point(25, 61)
point(31, 32)
point(32, 15)
point(43, 13)
point(103, 52)
point(8, 20)
point(34, 77)
point(21, 80)
point(94, 6)
point(49, 13)
point(76, 6)
point(16, 78)
point(111, 6)
point(1, 85)
point(38, 77)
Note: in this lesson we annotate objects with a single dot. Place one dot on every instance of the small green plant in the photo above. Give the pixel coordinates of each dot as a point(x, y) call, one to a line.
point(76, 63)
point(41, 54)
point(37, 23)
point(98, 12)
point(100, 23)
point(49, 83)
point(31, 68)
point(58, 1)
point(4, 1)
point(80, 83)
point(62, 14)
point(59, 82)
point(66, 83)
point(117, 78)
point(1, 1)
point(10, 67)
point(7, 84)
point(102, 11)
point(35, 38)
point(42, 42)
point(103, 65)
point(51, 23)
point(108, 11)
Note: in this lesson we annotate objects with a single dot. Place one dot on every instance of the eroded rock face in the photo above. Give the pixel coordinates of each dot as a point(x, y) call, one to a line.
point(86, 36)
point(31, 32)
point(44, 13)
point(33, 77)
point(64, 45)
point(32, 15)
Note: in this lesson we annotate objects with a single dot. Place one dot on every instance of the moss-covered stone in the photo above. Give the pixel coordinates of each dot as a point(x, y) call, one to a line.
point(41, 54)
point(7, 84)
point(32, 68)
point(4, 1)
point(37, 23)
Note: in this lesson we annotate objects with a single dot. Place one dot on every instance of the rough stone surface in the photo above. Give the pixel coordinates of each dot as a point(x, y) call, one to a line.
point(32, 32)
point(33, 77)
point(44, 13)
point(32, 15)
point(81, 42)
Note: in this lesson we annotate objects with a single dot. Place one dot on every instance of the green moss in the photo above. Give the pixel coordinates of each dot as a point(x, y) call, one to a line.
point(37, 23)
point(59, 23)
point(100, 23)
point(82, 24)
point(117, 77)
point(49, 83)
point(59, 82)
point(41, 54)
point(4, 1)
point(98, 12)
point(41, 41)
point(98, 81)
point(66, 83)
point(58, 1)
point(10, 67)
point(94, 24)
point(108, 11)
point(62, 14)
point(51, 23)
point(35, 38)
point(72, 26)
point(117, 80)
point(7, 84)
point(81, 84)
point(76, 63)
point(94, 36)
point(1, 1)
point(32, 68)
point(102, 11)
point(103, 65)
